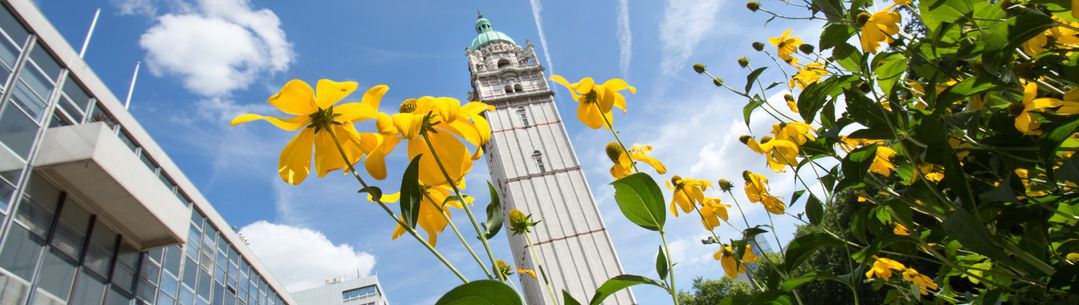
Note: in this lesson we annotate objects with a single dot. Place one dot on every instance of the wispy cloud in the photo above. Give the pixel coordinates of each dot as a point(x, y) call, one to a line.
point(625, 39)
point(536, 9)
point(685, 23)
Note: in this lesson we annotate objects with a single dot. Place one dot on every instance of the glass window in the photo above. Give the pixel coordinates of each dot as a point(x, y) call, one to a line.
point(172, 259)
point(89, 288)
point(12, 290)
point(150, 271)
point(117, 297)
point(190, 272)
point(146, 290)
point(187, 296)
point(169, 283)
point(36, 211)
point(124, 137)
point(71, 231)
point(57, 274)
point(9, 53)
point(21, 251)
point(48, 64)
point(219, 293)
point(164, 299)
point(203, 290)
point(17, 130)
point(99, 253)
point(68, 108)
point(76, 93)
point(6, 191)
point(12, 27)
point(100, 115)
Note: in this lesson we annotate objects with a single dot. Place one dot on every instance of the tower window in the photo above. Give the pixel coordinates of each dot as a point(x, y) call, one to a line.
point(518, 88)
point(509, 89)
point(538, 156)
point(503, 62)
point(524, 116)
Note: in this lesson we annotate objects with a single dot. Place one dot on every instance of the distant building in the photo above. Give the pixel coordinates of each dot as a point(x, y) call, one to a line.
point(357, 291)
point(92, 210)
point(762, 246)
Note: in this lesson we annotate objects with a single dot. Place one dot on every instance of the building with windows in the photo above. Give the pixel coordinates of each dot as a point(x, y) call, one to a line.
point(92, 210)
point(535, 169)
point(341, 291)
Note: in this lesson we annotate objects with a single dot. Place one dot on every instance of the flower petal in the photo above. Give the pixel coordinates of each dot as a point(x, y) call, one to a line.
point(354, 112)
point(295, 161)
point(562, 81)
point(330, 92)
point(289, 124)
point(617, 84)
point(373, 96)
point(589, 115)
point(376, 160)
point(296, 98)
point(453, 155)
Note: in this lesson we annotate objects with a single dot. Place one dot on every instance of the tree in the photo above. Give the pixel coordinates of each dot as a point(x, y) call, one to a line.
point(710, 292)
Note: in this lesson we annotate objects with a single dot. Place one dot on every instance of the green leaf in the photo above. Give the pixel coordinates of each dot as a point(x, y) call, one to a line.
point(618, 283)
point(568, 299)
point(797, 194)
point(832, 9)
point(972, 233)
point(969, 86)
point(411, 194)
point(1003, 38)
point(814, 209)
point(889, 68)
point(374, 191)
point(641, 201)
point(747, 111)
point(481, 292)
point(661, 264)
point(816, 94)
point(936, 12)
point(1051, 139)
point(752, 77)
point(800, 248)
point(494, 214)
point(834, 35)
point(848, 57)
point(856, 166)
point(791, 284)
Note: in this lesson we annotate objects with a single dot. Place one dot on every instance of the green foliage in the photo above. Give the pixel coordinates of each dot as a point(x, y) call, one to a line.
point(711, 292)
point(620, 282)
point(411, 193)
point(494, 214)
point(481, 292)
point(641, 201)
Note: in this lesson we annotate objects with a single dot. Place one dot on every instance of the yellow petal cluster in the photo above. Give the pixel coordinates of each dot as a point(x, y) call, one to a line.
point(623, 162)
point(882, 161)
point(808, 74)
point(1027, 123)
point(778, 153)
point(446, 121)
point(712, 211)
point(596, 100)
point(686, 192)
point(786, 45)
point(725, 256)
point(924, 282)
point(757, 191)
point(883, 267)
point(850, 144)
point(314, 111)
point(432, 204)
point(899, 229)
point(1057, 37)
point(880, 28)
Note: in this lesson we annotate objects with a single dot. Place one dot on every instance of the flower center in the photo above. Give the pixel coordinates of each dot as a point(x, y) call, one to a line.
point(322, 118)
point(590, 97)
point(614, 151)
point(408, 106)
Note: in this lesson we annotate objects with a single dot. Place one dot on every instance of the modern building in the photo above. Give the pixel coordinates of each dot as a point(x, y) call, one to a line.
point(536, 170)
point(342, 291)
point(93, 211)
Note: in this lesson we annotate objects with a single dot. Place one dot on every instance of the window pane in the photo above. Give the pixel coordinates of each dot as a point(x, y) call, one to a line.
point(191, 272)
point(89, 289)
point(9, 53)
point(187, 297)
point(163, 299)
point(99, 253)
point(17, 130)
point(99, 115)
point(71, 231)
point(146, 291)
point(57, 274)
point(12, 290)
point(76, 93)
point(172, 259)
point(32, 90)
point(21, 251)
point(70, 109)
point(46, 62)
point(117, 297)
point(12, 27)
point(169, 283)
point(204, 284)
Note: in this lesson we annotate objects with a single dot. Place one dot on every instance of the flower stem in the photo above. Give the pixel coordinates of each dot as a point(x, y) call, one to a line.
point(610, 127)
point(460, 237)
point(539, 266)
point(670, 266)
point(389, 212)
point(468, 210)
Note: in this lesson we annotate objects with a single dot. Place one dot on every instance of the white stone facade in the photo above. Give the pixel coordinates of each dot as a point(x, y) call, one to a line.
point(535, 170)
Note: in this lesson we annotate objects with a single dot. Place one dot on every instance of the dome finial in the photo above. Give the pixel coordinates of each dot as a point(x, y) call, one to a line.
point(479, 15)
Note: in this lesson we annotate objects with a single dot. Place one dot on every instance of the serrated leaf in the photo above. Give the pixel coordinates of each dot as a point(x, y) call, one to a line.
point(411, 194)
point(481, 292)
point(494, 214)
point(618, 283)
point(640, 200)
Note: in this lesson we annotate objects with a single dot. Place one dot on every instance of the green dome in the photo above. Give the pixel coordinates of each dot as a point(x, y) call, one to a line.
point(486, 35)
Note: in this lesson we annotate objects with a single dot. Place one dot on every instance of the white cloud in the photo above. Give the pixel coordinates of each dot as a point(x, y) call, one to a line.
point(135, 7)
point(302, 258)
point(536, 9)
point(685, 23)
point(220, 47)
point(625, 38)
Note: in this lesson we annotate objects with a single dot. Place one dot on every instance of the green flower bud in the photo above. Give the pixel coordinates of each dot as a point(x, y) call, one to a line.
point(862, 18)
point(718, 82)
point(725, 185)
point(699, 68)
point(614, 151)
point(743, 61)
point(806, 48)
point(753, 5)
point(788, 97)
point(759, 46)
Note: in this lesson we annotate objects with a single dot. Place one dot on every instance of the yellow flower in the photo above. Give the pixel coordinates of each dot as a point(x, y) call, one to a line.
point(924, 282)
point(791, 103)
point(521, 223)
point(527, 271)
point(882, 162)
point(757, 191)
point(778, 152)
point(785, 46)
point(686, 192)
point(448, 121)
point(317, 116)
point(1072, 256)
point(808, 74)
point(850, 144)
point(1024, 177)
point(900, 230)
point(796, 132)
point(596, 100)
point(883, 267)
point(880, 28)
point(903, 2)
point(1026, 122)
point(932, 172)
point(1057, 37)
point(725, 256)
point(712, 210)
point(434, 201)
point(623, 163)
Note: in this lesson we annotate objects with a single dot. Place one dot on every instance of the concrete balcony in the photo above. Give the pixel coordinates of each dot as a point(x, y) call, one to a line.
point(92, 163)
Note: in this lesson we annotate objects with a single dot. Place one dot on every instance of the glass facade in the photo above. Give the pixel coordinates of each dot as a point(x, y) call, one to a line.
point(54, 251)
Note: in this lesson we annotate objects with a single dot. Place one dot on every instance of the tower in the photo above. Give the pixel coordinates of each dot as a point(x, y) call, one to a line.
point(535, 169)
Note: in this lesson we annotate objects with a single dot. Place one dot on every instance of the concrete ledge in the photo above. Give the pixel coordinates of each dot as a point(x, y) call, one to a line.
point(91, 162)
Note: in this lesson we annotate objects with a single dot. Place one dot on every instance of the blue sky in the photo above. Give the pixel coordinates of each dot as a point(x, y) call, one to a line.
point(206, 61)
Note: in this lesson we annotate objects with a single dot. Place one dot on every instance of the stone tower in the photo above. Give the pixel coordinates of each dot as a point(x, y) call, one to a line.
point(535, 169)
